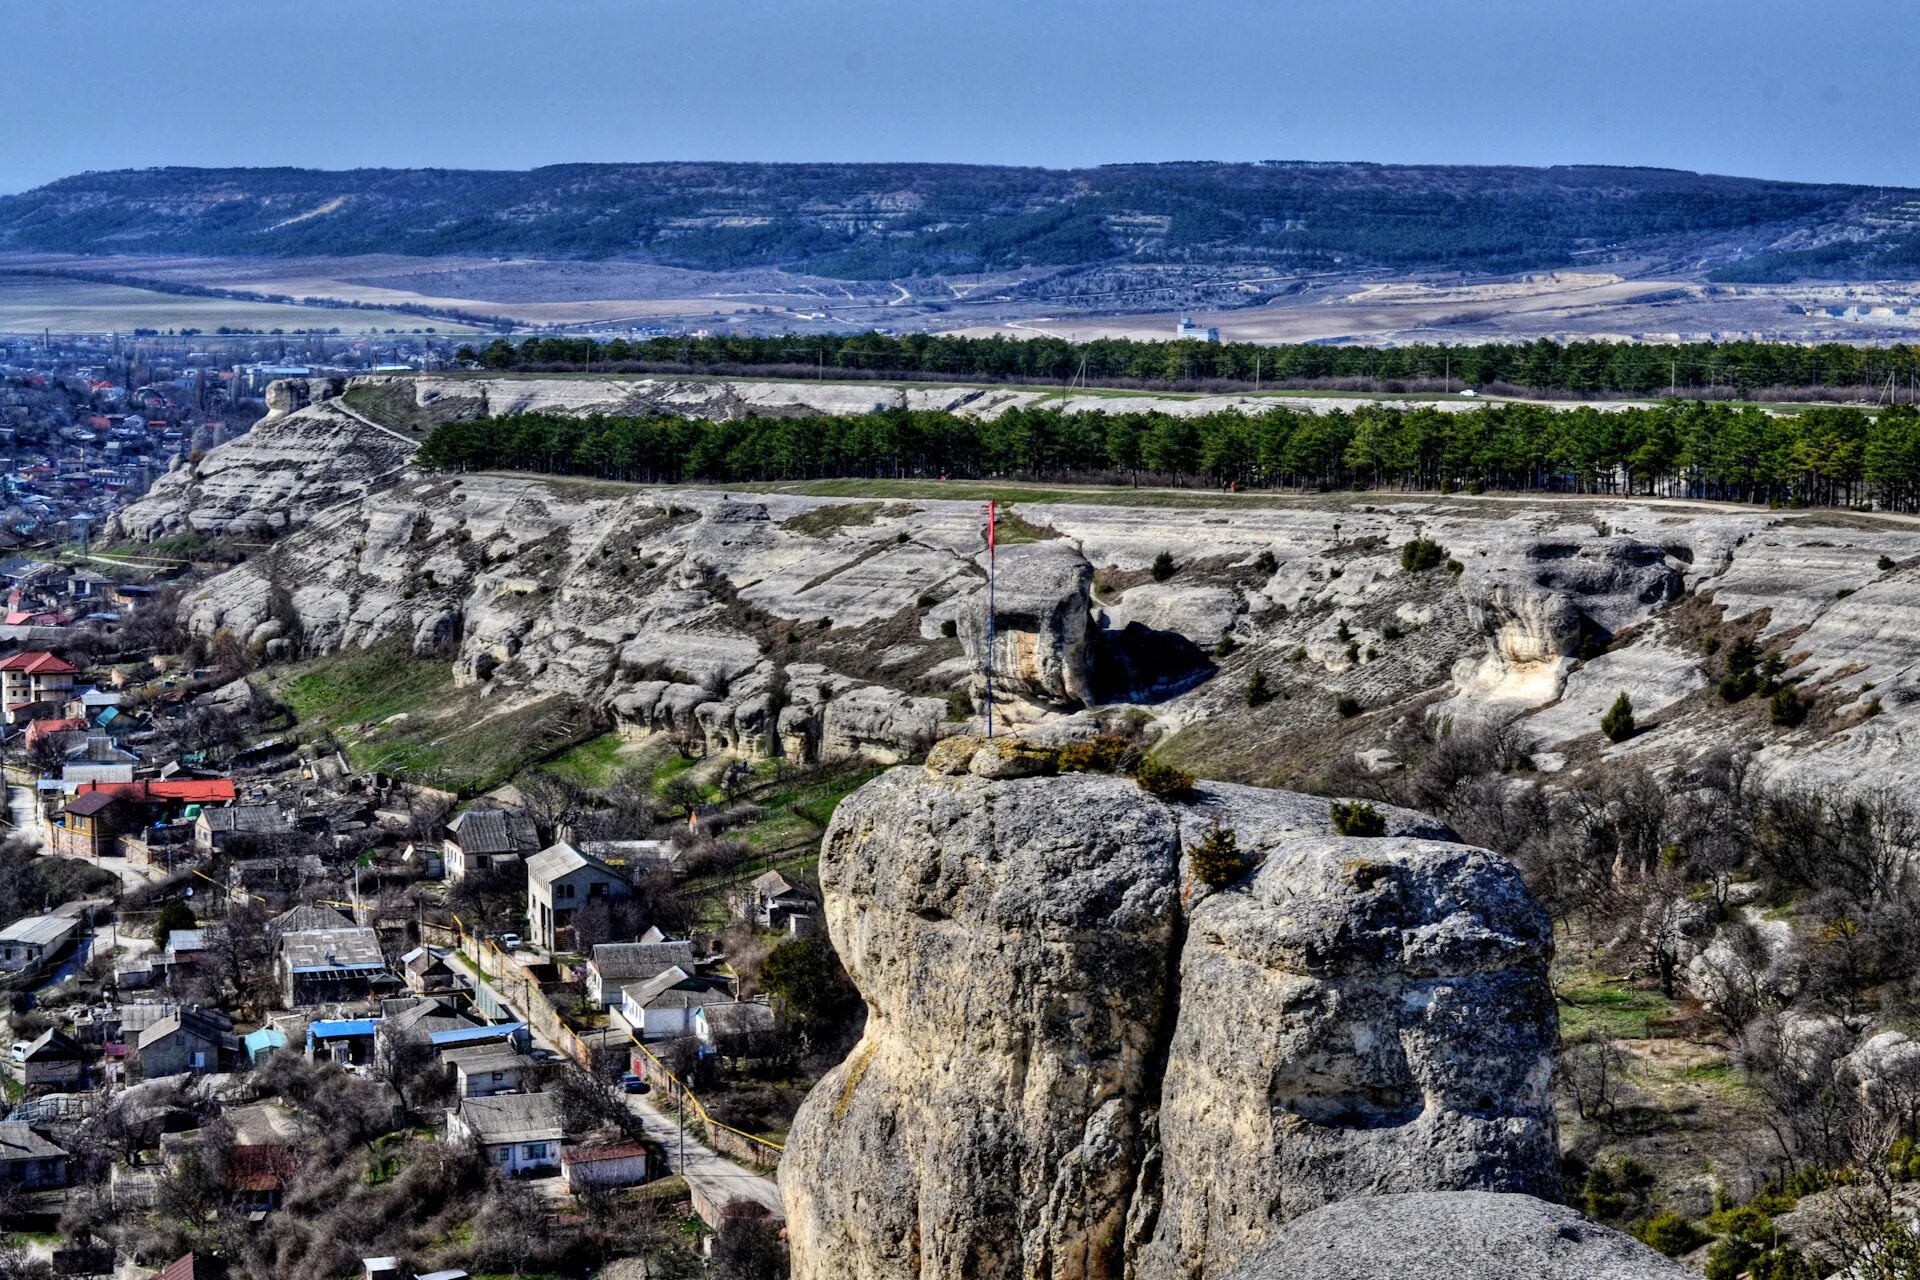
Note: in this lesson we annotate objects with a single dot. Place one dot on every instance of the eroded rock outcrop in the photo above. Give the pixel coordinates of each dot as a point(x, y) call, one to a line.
point(1080, 1064)
point(1465, 1235)
point(1040, 621)
point(280, 474)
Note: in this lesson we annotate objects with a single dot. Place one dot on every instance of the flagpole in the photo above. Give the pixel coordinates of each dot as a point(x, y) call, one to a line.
point(989, 654)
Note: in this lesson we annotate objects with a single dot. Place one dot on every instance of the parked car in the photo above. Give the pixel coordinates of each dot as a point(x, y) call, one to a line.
point(509, 942)
point(634, 1084)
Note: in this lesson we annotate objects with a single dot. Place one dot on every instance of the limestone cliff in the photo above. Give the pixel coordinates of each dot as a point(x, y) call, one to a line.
point(1078, 1063)
point(816, 626)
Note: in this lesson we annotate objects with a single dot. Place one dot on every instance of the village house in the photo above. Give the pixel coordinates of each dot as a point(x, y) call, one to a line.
point(321, 965)
point(34, 939)
point(28, 1160)
point(49, 1060)
point(742, 1029)
point(219, 829)
point(34, 683)
point(187, 1038)
point(773, 902)
point(484, 1070)
point(426, 972)
point(604, 1164)
point(419, 1019)
point(88, 827)
point(560, 881)
point(614, 965)
point(342, 1040)
point(97, 759)
point(488, 840)
point(192, 1266)
point(661, 1007)
point(520, 1132)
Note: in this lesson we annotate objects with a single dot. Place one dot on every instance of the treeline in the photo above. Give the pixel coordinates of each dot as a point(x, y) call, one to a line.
point(1823, 456)
point(1577, 368)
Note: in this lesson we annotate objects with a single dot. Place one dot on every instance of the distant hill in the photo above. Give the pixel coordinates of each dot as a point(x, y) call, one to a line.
point(881, 221)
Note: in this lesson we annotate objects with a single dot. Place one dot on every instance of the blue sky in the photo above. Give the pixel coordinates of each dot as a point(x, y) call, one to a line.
point(1774, 88)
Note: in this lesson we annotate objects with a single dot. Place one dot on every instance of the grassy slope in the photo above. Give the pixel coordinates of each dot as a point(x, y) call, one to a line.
point(394, 712)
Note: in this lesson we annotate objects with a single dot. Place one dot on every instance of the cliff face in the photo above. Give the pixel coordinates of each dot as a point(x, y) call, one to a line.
point(307, 455)
point(814, 627)
point(1079, 1063)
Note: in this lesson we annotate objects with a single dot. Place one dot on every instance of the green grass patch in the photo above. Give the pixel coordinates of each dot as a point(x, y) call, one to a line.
point(592, 763)
point(1594, 1004)
point(822, 522)
point(363, 684)
point(393, 712)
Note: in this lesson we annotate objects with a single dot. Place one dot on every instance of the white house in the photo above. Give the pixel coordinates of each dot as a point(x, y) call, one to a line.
point(520, 1132)
point(662, 1007)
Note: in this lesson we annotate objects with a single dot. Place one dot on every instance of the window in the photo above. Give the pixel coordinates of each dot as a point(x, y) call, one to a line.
point(504, 1154)
point(563, 891)
point(534, 1151)
point(498, 1076)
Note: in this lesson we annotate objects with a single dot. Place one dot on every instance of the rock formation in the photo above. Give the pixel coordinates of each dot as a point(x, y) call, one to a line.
point(1079, 1063)
point(1462, 1235)
point(685, 609)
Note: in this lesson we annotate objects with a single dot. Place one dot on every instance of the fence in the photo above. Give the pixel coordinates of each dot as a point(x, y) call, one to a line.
point(540, 1014)
point(722, 1137)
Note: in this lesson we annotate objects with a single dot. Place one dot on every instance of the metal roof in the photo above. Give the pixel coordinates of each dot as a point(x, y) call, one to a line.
point(39, 931)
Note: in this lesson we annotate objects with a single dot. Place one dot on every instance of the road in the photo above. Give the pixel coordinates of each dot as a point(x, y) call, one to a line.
point(715, 1177)
point(718, 1180)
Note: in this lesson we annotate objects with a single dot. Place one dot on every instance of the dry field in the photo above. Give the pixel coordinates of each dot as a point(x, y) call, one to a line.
point(29, 304)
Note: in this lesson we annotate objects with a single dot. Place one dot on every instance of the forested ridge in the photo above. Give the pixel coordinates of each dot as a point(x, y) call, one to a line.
point(897, 221)
point(1580, 368)
point(1822, 456)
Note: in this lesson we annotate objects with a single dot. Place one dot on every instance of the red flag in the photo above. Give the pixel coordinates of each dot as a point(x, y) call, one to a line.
point(990, 528)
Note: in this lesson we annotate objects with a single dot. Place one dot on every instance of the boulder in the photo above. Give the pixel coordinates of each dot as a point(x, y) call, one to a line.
point(1358, 1015)
point(1366, 1016)
point(1012, 940)
point(1461, 1235)
point(1041, 617)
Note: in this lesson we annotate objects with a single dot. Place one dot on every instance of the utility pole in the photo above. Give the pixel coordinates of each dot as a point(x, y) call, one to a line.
point(991, 513)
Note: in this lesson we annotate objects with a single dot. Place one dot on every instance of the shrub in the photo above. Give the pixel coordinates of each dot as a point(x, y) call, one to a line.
point(1163, 566)
point(1217, 861)
point(1299, 654)
point(949, 628)
point(1348, 706)
point(1358, 818)
point(1105, 753)
point(1710, 645)
point(1787, 708)
point(1455, 568)
point(1421, 555)
point(1265, 563)
point(1843, 593)
point(1391, 632)
point(1160, 779)
point(1343, 631)
point(1257, 691)
point(1884, 563)
point(1617, 724)
point(1670, 1233)
point(1226, 646)
point(1738, 686)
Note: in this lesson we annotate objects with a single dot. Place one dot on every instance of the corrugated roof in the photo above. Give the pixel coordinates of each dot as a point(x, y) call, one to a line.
point(513, 1117)
point(39, 931)
point(619, 963)
point(495, 831)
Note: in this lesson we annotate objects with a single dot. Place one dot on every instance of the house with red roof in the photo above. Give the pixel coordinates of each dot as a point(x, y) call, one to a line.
point(33, 684)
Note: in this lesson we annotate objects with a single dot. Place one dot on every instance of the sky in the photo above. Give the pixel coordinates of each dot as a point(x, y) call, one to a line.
point(1803, 89)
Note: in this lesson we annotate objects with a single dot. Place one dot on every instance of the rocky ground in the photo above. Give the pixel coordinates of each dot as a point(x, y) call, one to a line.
point(1302, 642)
